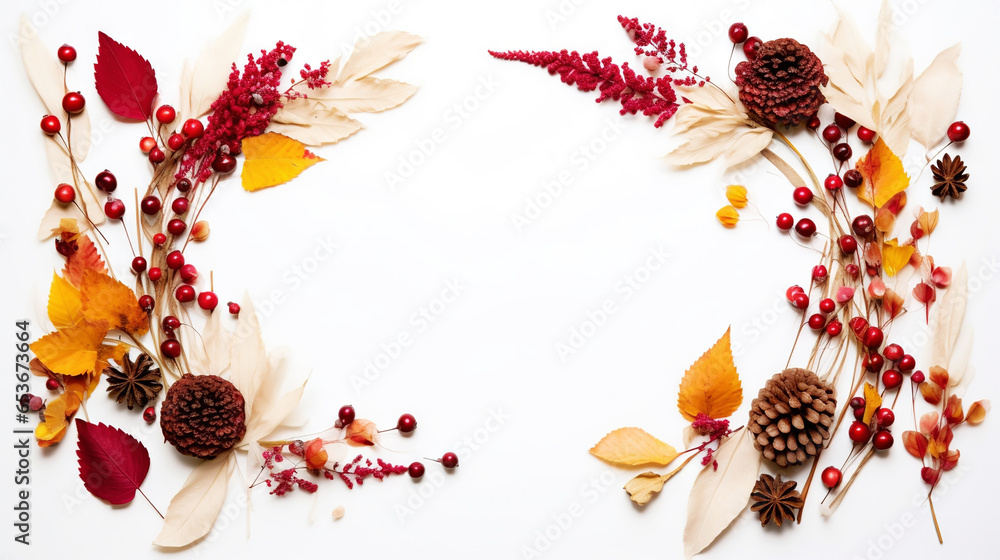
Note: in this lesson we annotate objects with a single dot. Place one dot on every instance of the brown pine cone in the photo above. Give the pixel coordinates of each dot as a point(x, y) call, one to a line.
point(782, 84)
point(203, 415)
point(791, 416)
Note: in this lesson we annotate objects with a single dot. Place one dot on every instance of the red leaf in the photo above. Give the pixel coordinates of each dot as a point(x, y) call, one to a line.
point(124, 79)
point(113, 464)
point(915, 443)
point(925, 294)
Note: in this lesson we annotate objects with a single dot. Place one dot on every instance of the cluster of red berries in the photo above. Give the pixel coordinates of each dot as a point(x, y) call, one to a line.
point(738, 33)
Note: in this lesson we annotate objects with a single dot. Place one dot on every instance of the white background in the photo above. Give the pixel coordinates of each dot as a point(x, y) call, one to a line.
point(492, 352)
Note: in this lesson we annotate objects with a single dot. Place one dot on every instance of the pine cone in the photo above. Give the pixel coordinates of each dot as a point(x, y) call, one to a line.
point(791, 416)
point(203, 415)
point(782, 84)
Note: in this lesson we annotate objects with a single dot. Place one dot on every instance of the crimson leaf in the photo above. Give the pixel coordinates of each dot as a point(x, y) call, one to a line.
point(124, 79)
point(112, 463)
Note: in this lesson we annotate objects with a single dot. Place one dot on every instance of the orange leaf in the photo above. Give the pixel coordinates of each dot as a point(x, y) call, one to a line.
point(915, 443)
point(633, 447)
point(885, 217)
point(85, 258)
point(58, 412)
point(872, 401)
point(728, 216)
point(273, 159)
point(928, 422)
point(977, 412)
point(107, 299)
point(711, 386)
point(927, 220)
point(949, 460)
point(65, 308)
point(930, 392)
point(883, 173)
point(939, 376)
point(361, 433)
point(892, 303)
point(953, 411)
point(71, 351)
point(894, 257)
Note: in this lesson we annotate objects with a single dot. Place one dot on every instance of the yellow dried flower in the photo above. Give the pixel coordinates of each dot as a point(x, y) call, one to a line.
point(728, 216)
point(737, 195)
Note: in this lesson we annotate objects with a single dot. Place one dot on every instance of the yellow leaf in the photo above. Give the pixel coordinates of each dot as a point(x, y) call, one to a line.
point(273, 159)
point(927, 220)
point(872, 401)
point(71, 351)
point(711, 386)
point(894, 257)
point(728, 216)
point(632, 447)
point(106, 299)
point(977, 412)
point(643, 487)
point(883, 174)
point(737, 195)
point(65, 307)
point(58, 411)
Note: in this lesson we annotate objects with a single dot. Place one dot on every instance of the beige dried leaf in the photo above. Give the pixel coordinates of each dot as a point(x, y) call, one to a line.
point(193, 511)
point(312, 124)
point(949, 314)
point(202, 83)
point(933, 102)
point(58, 211)
point(211, 357)
point(364, 95)
point(643, 487)
point(376, 52)
point(714, 125)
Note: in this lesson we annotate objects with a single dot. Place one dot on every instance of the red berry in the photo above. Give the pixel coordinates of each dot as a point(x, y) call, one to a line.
point(857, 402)
point(114, 209)
point(146, 143)
point(406, 423)
point(183, 185)
point(175, 142)
point(346, 413)
point(827, 305)
point(155, 273)
point(224, 163)
point(193, 128)
point(805, 227)
point(848, 244)
point(138, 264)
point(791, 291)
point(146, 302)
point(863, 226)
point(802, 196)
point(873, 338)
point(831, 133)
point(852, 270)
point(801, 301)
point(166, 114)
point(208, 301)
point(184, 293)
point(866, 135)
point(885, 417)
point(189, 274)
point(297, 448)
point(873, 362)
point(859, 432)
point(51, 384)
point(834, 328)
point(65, 193)
point(842, 152)
point(50, 125)
point(917, 377)
point(149, 415)
point(906, 363)
point(73, 102)
point(416, 469)
point(66, 54)
point(831, 477)
point(820, 274)
point(175, 260)
point(883, 440)
point(785, 221)
point(813, 123)
point(817, 322)
point(833, 182)
point(234, 308)
point(156, 156)
point(751, 47)
point(180, 205)
point(738, 33)
point(892, 379)
point(159, 238)
point(170, 348)
point(957, 132)
point(106, 181)
point(150, 205)
point(176, 226)
point(170, 324)
point(859, 414)
point(853, 178)
point(449, 460)
point(843, 121)
point(893, 352)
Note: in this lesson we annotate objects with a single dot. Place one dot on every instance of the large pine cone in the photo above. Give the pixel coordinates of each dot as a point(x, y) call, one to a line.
point(782, 84)
point(203, 415)
point(791, 416)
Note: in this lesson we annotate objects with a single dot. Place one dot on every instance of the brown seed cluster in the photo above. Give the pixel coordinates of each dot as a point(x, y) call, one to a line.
point(203, 415)
point(782, 84)
point(791, 416)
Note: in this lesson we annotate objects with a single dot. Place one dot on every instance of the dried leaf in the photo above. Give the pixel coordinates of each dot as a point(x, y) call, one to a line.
point(720, 494)
point(203, 82)
point(845, 294)
point(643, 487)
point(211, 356)
point(873, 400)
point(113, 464)
point(894, 257)
point(954, 413)
point(915, 443)
point(192, 512)
point(71, 351)
point(928, 422)
point(376, 52)
point(124, 80)
point(892, 303)
point(361, 433)
point(883, 173)
point(938, 376)
point(931, 393)
point(271, 407)
point(728, 216)
point(885, 217)
point(273, 159)
point(977, 412)
point(925, 294)
point(58, 412)
point(248, 360)
point(948, 321)
point(65, 308)
point(928, 220)
point(108, 300)
point(876, 288)
point(364, 95)
point(633, 447)
point(312, 124)
point(86, 258)
point(711, 386)
point(933, 102)
point(737, 195)
point(713, 126)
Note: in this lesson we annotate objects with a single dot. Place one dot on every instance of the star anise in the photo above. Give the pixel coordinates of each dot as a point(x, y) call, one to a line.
point(950, 177)
point(775, 499)
point(135, 383)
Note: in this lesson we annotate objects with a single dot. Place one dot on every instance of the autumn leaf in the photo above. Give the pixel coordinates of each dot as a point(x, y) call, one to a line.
point(113, 464)
point(58, 411)
point(894, 257)
point(883, 173)
point(107, 299)
point(632, 447)
point(873, 400)
point(273, 159)
point(977, 412)
point(892, 303)
point(85, 258)
point(711, 386)
point(885, 217)
point(65, 308)
point(71, 351)
point(915, 443)
point(105, 354)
